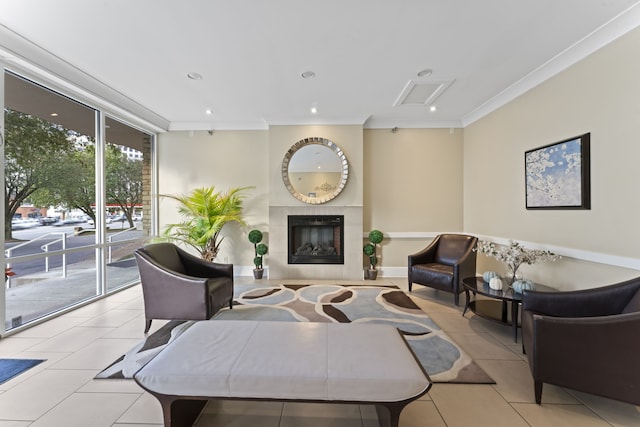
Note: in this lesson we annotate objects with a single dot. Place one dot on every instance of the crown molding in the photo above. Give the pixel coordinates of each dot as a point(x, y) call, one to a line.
point(412, 124)
point(605, 34)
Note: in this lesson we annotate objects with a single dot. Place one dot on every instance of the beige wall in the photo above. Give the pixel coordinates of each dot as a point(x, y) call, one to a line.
point(226, 159)
point(347, 137)
point(600, 95)
point(412, 185)
point(417, 182)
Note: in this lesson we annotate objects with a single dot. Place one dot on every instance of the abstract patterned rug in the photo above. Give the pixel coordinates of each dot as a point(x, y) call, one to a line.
point(442, 358)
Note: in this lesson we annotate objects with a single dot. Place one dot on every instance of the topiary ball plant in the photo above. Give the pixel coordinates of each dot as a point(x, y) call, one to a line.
point(370, 249)
point(260, 249)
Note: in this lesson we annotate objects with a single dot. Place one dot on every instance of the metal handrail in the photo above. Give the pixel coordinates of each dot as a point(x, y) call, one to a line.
point(45, 248)
point(9, 251)
point(110, 240)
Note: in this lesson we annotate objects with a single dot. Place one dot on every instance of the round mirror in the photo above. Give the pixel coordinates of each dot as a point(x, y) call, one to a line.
point(315, 170)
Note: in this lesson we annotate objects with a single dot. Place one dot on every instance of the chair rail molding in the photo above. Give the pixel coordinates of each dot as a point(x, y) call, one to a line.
point(579, 254)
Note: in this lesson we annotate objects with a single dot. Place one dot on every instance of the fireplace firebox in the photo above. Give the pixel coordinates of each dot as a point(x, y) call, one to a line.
point(316, 239)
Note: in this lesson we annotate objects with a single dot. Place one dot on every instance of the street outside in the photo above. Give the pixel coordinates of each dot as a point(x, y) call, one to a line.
point(87, 238)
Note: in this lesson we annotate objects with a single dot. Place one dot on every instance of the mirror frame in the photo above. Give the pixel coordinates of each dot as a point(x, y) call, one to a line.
point(305, 143)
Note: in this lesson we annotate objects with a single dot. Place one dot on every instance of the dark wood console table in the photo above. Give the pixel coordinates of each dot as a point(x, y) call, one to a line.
point(496, 307)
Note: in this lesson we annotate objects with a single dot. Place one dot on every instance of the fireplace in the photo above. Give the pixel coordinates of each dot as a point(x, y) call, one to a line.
point(316, 239)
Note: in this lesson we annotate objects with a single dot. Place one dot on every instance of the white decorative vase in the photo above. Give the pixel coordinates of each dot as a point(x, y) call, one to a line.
point(488, 275)
point(495, 283)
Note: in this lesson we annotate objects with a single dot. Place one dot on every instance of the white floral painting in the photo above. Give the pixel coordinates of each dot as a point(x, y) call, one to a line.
point(557, 175)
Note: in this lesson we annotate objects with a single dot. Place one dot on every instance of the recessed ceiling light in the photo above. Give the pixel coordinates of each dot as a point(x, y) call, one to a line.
point(54, 114)
point(425, 73)
point(314, 110)
point(433, 108)
point(308, 75)
point(208, 111)
point(194, 76)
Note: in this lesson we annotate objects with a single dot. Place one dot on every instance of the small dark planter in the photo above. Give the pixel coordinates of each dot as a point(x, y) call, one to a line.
point(257, 273)
point(370, 274)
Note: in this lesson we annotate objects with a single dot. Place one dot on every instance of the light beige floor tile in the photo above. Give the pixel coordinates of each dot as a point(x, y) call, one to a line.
point(31, 399)
point(97, 355)
point(421, 414)
point(52, 327)
point(517, 350)
point(132, 329)
point(239, 413)
point(113, 318)
point(10, 346)
point(321, 410)
point(451, 321)
point(551, 415)
point(444, 299)
point(502, 332)
point(463, 405)
point(126, 295)
point(94, 309)
point(320, 415)
point(14, 423)
point(482, 346)
point(145, 410)
point(71, 340)
point(111, 386)
point(87, 409)
point(136, 303)
point(617, 413)
point(514, 382)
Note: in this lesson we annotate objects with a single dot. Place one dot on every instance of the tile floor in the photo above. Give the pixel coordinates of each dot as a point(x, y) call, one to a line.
point(61, 392)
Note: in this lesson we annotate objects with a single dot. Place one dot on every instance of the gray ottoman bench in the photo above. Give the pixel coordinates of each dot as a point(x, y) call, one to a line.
point(284, 361)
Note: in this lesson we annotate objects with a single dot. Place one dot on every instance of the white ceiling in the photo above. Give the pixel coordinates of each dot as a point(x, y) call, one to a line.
point(251, 54)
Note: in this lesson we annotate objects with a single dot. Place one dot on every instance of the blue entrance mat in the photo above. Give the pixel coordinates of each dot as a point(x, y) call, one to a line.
point(10, 368)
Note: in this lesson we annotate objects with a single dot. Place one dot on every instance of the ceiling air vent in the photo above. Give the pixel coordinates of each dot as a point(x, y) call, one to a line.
point(421, 93)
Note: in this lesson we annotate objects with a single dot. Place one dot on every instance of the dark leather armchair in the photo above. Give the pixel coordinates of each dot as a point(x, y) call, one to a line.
point(179, 286)
point(587, 340)
point(443, 264)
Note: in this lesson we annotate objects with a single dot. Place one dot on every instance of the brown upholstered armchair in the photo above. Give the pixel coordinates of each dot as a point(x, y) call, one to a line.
point(587, 340)
point(443, 264)
point(179, 286)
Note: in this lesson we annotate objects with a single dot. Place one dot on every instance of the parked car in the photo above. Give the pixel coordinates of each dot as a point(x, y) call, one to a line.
point(48, 220)
point(117, 218)
point(69, 221)
point(21, 224)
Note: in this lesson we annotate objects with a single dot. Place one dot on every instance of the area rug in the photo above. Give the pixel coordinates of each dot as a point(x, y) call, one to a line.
point(10, 368)
point(442, 358)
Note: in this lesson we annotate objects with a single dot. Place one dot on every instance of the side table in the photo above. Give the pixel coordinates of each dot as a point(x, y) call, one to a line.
point(496, 307)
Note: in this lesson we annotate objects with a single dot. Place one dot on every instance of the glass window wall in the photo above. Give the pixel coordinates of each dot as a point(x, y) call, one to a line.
point(74, 208)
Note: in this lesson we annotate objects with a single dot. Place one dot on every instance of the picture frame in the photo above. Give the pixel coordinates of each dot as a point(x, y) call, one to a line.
point(558, 176)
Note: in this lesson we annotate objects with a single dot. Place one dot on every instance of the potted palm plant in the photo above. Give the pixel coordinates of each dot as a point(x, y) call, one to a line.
point(260, 249)
point(205, 212)
point(370, 250)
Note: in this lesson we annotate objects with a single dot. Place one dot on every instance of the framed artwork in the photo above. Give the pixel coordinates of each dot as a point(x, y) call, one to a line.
point(557, 175)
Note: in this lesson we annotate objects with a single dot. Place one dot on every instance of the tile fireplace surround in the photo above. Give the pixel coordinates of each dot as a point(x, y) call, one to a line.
point(278, 260)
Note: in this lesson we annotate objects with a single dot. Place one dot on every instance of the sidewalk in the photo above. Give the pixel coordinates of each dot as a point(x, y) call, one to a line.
point(50, 292)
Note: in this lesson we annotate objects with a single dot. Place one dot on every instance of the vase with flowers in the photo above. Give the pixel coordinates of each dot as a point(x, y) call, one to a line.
point(514, 255)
